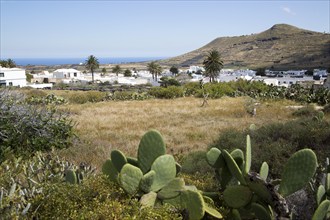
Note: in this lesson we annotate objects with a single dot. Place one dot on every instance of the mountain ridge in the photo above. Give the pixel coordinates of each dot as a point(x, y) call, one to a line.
point(282, 46)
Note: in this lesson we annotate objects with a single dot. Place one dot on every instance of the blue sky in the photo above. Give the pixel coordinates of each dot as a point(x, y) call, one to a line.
point(64, 29)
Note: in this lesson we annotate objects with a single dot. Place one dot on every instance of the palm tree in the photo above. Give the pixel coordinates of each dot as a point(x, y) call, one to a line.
point(116, 70)
point(92, 64)
point(155, 69)
point(212, 64)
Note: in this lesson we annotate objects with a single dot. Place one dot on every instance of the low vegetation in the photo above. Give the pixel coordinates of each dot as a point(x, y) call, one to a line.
point(35, 174)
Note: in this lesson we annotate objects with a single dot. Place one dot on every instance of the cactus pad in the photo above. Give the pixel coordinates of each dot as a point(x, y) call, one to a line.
point(193, 202)
point(71, 177)
point(133, 161)
point(327, 183)
point(297, 172)
point(147, 180)
point(248, 155)
point(129, 178)
point(214, 158)
point(109, 169)
point(148, 200)
point(261, 212)
point(151, 146)
point(238, 156)
point(320, 195)
point(237, 196)
point(118, 159)
point(264, 169)
point(172, 189)
point(165, 169)
point(212, 212)
point(321, 211)
point(233, 167)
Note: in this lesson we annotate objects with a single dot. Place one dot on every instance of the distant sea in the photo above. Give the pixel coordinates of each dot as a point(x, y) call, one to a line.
point(63, 61)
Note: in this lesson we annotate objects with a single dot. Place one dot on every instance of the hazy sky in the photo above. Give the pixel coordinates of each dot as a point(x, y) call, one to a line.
point(47, 29)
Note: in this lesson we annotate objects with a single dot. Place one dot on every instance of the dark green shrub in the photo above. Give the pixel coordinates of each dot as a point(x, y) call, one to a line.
point(127, 95)
point(81, 97)
point(170, 92)
point(217, 90)
point(192, 88)
point(96, 198)
point(307, 111)
point(195, 162)
point(275, 142)
point(25, 128)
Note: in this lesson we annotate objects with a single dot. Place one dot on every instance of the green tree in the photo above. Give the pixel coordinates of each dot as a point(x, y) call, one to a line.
point(261, 72)
point(174, 70)
point(28, 77)
point(92, 64)
point(117, 69)
point(11, 63)
point(104, 71)
point(212, 64)
point(155, 69)
point(127, 73)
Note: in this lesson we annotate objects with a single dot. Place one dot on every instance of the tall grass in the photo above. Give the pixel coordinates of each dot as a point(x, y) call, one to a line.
point(185, 125)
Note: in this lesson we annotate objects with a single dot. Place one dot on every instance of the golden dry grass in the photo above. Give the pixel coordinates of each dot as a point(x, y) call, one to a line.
point(184, 125)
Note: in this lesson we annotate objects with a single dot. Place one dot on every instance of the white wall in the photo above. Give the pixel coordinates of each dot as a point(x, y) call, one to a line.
point(12, 77)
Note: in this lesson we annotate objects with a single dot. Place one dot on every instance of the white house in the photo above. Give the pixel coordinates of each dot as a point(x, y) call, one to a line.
point(67, 74)
point(12, 77)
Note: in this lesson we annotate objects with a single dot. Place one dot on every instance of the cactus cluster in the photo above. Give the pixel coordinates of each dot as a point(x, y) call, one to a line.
point(253, 194)
point(152, 177)
point(22, 180)
point(323, 196)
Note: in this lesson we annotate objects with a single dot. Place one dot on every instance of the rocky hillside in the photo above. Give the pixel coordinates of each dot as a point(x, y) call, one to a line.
point(280, 47)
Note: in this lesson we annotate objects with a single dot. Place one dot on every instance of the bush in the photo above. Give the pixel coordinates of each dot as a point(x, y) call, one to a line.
point(195, 162)
point(96, 198)
point(22, 180)
point(192, 88)
point(25, 128)
point(307, 111)
point(274, 143)
point(170, 92)
point(216, 90)
point(81, 97)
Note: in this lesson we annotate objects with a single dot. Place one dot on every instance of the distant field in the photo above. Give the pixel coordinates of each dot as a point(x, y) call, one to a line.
point(185, 125)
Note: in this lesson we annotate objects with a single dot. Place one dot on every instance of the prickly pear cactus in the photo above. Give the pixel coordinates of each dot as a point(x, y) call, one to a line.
point(237, 196)
point(147, 180)
point(110, 170)
point(193, 202)
point(148, 200)
point(264, 169)
point(321, 211)
point(297, 172)
point(118, 159)
point(172, 189)
point(214, 158)
point(129, 178)
point(71, 177)
point(233, 167)
point(165, 169)
point(261, 212)
point(150, 148)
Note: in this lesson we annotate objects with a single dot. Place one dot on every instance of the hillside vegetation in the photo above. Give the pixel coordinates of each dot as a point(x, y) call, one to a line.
point(280, 47)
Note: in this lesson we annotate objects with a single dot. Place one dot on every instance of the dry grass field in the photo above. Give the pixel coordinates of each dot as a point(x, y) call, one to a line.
point(185, 125)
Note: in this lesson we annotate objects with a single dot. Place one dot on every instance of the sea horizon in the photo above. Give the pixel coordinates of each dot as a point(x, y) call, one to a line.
point(81, 60)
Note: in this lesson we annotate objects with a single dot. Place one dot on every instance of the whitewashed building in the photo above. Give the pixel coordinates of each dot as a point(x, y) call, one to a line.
point(67, 74)
point(12, 77)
